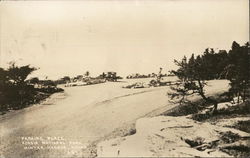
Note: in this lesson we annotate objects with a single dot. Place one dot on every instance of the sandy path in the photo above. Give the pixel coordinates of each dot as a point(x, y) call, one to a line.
point(84, 114)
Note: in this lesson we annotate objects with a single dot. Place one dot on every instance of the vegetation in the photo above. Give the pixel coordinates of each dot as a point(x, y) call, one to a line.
point(137, 75)
point(195, 71)
point(110, 76)
point(17, 92)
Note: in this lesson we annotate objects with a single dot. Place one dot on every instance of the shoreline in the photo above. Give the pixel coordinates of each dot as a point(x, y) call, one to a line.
point(52, 99)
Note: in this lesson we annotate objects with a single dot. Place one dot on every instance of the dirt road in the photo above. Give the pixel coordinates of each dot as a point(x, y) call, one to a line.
point(80, 115)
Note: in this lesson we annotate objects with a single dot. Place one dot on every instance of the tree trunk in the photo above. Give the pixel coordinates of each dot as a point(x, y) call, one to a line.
point(238, 101)
point(215, 107)
point(244, 94)
point(207, 99)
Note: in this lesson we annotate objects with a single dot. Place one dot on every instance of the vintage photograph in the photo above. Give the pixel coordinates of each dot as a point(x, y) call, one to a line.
point(124, 78)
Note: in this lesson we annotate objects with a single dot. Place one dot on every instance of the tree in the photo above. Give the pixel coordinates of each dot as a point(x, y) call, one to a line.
point(14, 91)
point(17, 92)
point(17, 75)
point(79, 77)
point(87, 73)
point(192, 75)
point(238, 70)
point(3, 77)
point(66, 79)
point(34, 80)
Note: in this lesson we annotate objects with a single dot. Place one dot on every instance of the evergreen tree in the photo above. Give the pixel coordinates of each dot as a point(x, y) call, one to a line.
point(193, 73)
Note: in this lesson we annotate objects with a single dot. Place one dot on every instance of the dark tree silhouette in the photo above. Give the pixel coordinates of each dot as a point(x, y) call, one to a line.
point(87, 74)
point(17, 92)
point(192, 80)
point(193, 73)
point(34, 80)
point(66, 79)
point(18, 75)
point(238, 70)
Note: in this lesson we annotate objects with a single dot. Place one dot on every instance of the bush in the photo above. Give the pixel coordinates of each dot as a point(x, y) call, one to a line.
point(16, 92)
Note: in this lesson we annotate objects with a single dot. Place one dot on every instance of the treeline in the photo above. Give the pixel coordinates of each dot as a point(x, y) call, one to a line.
point(108, 76)
point(137, 75)
point(233, 65)
point(17, 92)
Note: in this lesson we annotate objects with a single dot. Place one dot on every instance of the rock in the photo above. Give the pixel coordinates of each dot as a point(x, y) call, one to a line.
point(168, 136)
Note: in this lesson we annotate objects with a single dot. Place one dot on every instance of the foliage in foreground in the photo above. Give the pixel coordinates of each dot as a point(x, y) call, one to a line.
point(17, 92)
point(195, 71)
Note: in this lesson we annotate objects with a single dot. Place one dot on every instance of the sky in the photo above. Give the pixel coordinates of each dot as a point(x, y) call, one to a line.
point(72, 37)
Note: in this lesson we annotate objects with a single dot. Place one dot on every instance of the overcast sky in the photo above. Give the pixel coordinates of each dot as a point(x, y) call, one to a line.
point(71, 37)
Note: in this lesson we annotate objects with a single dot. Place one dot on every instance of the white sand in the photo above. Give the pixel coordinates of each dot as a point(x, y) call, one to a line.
point(165, 136)
point(88, 113)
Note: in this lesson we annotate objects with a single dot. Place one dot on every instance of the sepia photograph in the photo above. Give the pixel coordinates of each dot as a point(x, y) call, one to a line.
point(124, 78)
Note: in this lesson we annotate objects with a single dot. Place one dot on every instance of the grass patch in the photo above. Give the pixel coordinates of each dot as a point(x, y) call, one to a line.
point(243, 126)
point(229, 137)
point(237, 151)
point(194, 143)
point(186, 108)
point(242, 109)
